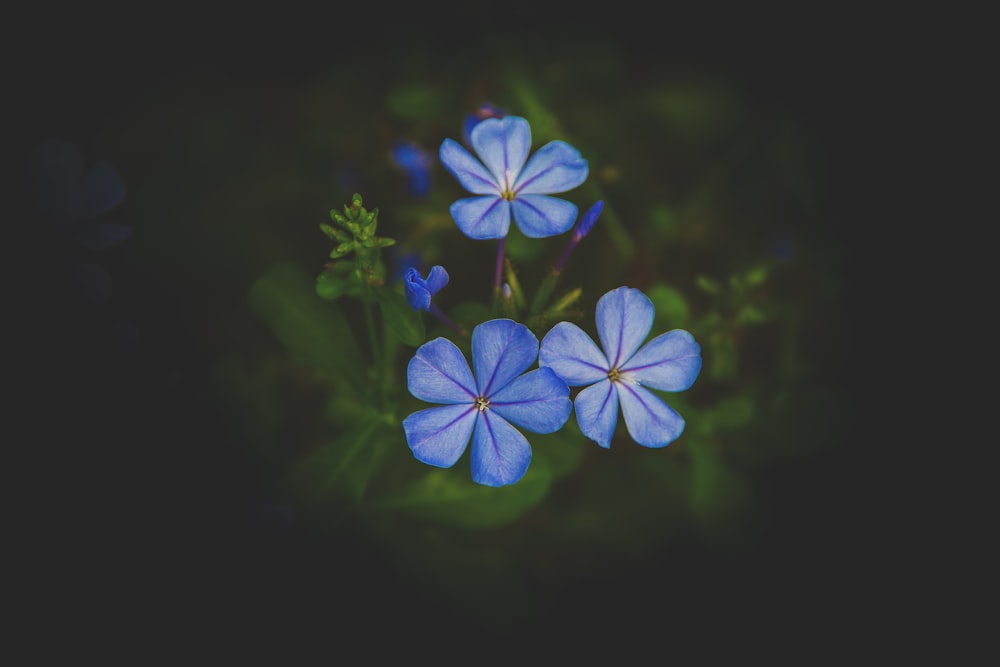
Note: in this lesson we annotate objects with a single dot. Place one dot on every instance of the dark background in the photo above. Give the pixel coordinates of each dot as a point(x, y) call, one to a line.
point(170, 564)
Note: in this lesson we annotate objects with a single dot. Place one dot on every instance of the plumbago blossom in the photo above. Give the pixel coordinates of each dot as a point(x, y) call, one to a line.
point(509, 186)
point(419, 291)
point(484, 404)
point(622, 371)
point(495, 400)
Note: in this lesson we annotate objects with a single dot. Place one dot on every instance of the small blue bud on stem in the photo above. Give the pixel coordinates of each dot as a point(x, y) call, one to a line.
point(582, 228)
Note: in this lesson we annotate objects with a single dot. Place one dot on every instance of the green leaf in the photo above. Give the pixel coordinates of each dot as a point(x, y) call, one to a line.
point(756, 275)
point(413, 101)
point(342, 249)
point(450, 496)
point(382, 242)
point(671, 307)
point(341, 469)
point(707, 284)
point(335, 282)
point(334, 233)
point(313, 330)
point(717, 492)
point(406, 323)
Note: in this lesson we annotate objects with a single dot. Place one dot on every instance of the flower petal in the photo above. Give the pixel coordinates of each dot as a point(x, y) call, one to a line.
point(437, 278)
point(624, 318)
point(415, 288)
point(501, 350)
point(438, 436)
point(597, 411)
point(500, 453)
point(555, 167)
point(669, 362)
point(467, 170)
point(439, 373)
point(482, 217)
point(573, 355)
point(650, 421)
point(485, 110)
point(539, 216)
point(502, 144)
point(537, 401)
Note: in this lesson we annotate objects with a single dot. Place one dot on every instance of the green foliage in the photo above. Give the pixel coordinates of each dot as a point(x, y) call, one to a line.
point(672, 310)
point(337, 473)
point(405, 322)
point(442, 496)
point(315, 332)
point(695, 181)
point(355, 233)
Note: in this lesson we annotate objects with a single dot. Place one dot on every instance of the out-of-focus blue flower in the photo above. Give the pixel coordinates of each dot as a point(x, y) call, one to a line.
point(485, 110)
point(416, 162)
point(622, 371)
point(782, 247)
point(69, 197)
point(510, 186)
point(485, 406)
point(419, 291)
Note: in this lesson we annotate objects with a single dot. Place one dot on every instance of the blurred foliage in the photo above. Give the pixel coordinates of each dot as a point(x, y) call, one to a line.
point(698, 184)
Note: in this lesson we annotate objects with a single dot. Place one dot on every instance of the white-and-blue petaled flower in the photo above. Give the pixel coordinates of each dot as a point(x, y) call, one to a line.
point(484, 404)
point(508, 185)
point(419, 291)
point(623, 372)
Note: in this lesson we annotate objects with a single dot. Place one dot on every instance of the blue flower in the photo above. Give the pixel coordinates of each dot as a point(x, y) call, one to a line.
point(484, 407)
point(509, 185)
point(485, 110)
point(416, 162)
point(622, 371)
point(419, 291)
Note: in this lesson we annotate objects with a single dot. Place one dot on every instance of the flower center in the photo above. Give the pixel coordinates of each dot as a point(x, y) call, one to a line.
point(508, 195)
point(616, 375)
point(482, 403)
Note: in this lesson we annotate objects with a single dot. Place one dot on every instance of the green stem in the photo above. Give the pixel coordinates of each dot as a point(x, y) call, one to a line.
point(376, 352)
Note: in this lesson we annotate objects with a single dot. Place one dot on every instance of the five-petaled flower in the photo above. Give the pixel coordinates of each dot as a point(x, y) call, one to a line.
point(622, 372)
point(419, 291)
point(484, 405)
point(508, 185)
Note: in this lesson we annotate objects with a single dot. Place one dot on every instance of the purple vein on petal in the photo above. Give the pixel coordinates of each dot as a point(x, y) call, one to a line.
point(487, 182)
point(496, 367)
point(535, 177)
point(631, 369)
point(448, 377)
point(446, 426)
point(498, 201)
point(493, 444)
